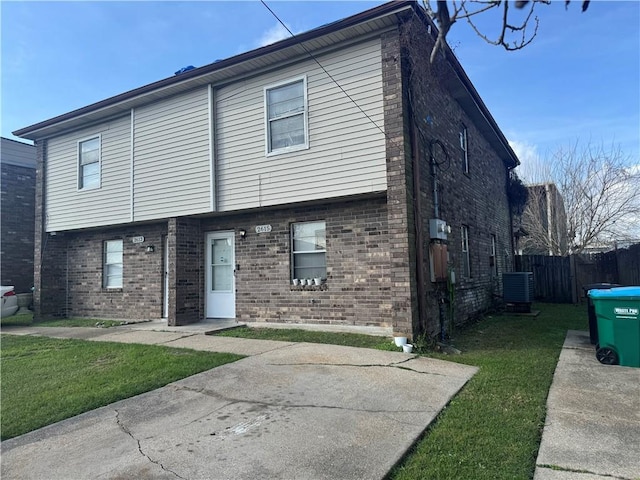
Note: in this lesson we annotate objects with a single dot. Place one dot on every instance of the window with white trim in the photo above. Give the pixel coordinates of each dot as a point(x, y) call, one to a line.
point(89, 163)
point(493, 262)
point(308, 250)
point(286, 116)
point(112, 267)
point(466, 261)
point(464, 147)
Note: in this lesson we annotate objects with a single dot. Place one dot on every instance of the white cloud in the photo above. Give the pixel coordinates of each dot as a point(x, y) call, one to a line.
point(273, 35)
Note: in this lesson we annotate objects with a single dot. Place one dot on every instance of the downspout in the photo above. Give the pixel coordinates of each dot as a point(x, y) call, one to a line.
point(417, 220)
point(434, 174)
point(513, 247)
point(547, 194)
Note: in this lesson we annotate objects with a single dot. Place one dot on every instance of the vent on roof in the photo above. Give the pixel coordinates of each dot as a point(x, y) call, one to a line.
point(185, 69)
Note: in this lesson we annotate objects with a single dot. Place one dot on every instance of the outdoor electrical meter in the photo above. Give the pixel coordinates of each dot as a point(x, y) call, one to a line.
point(438, 229)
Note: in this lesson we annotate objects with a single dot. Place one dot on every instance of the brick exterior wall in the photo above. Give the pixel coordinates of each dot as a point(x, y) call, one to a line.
point(72, 275)
point(17, 205)
point(399, 190)
point(476, 199)
point(358, 286)
point(186, 271)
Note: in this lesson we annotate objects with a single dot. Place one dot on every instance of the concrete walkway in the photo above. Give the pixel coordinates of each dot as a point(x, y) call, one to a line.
point(592, 429)
point(289, 410)
point(296, 410)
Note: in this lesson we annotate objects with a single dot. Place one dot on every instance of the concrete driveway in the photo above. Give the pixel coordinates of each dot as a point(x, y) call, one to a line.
point(302, 411)
point(592, 429)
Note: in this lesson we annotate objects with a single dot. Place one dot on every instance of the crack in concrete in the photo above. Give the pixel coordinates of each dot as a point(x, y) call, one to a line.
point(208, 414)
point(232, 401)
point(128, 432)
point(574, 470)
point(182, 337)
point(388, 365)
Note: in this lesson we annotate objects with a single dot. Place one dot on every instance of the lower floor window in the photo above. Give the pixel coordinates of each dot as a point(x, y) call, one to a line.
point(466, 262)
point(112, 268)
point(308, 251)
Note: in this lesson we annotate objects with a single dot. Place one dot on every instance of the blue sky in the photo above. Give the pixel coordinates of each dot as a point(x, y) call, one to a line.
point(579, 81)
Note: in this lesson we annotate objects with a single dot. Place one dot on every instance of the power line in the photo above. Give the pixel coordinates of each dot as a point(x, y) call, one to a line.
point(324, 70)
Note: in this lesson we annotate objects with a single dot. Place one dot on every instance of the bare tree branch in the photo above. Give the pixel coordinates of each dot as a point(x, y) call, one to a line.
point(600, 189)
point(469, 9)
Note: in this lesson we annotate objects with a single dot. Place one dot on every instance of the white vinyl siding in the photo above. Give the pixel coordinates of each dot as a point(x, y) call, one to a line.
point(172, 157)
point(17, 153)
point(67, 207)
point(346, 153)
point(112, 267)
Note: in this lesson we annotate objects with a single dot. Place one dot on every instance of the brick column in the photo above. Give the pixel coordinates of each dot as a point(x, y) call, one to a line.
point(50, 257)
point(399, 189)
point(186, 282)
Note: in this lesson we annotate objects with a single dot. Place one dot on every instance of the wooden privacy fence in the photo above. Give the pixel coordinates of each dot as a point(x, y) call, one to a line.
point(563, 279)
point(551, 277)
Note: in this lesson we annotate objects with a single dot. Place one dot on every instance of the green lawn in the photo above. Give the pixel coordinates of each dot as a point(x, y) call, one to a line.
point(45, 380)
point(297, 335)
point(26, 320)
point(492, 428)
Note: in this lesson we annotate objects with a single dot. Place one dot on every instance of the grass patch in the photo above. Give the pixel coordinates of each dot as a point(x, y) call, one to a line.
point(22, 320)
point(81, 322)
point(492, 429)
point(297, 335)
point(26, 320)
point(45, 380)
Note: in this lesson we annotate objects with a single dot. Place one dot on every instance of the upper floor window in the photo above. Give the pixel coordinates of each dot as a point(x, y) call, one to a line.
point(308, 251)
point(112, 266)
point(466, 260)
point(286, 116)
point(465, 150)
point(89, 163)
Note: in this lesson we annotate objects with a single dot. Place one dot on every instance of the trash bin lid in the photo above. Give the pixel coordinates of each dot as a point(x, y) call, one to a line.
point(626, 293)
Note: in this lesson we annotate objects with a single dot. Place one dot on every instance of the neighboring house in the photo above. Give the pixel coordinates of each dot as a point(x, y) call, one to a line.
point(545, 221)
point(17, 205)
point(207, 194)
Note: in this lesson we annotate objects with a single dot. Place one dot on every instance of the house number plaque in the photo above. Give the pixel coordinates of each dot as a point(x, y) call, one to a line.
point(263, 228)
point(138, 239)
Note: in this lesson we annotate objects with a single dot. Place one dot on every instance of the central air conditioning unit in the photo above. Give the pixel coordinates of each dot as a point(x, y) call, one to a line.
point(517, 290)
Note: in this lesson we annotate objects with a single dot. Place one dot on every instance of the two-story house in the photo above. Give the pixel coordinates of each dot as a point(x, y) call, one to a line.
point(340, 156)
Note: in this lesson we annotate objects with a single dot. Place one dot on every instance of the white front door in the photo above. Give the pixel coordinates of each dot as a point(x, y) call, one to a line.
point(220, 275)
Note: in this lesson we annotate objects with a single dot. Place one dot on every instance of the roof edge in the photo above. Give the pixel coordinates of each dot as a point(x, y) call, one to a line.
point(457, 66)
point(382, 10)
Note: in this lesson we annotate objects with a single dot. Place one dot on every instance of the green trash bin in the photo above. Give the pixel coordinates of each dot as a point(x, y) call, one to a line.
point(618, 313)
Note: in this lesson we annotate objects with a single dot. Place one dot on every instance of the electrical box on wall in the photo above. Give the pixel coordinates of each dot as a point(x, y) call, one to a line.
point(438, 229)
point(438, 262)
